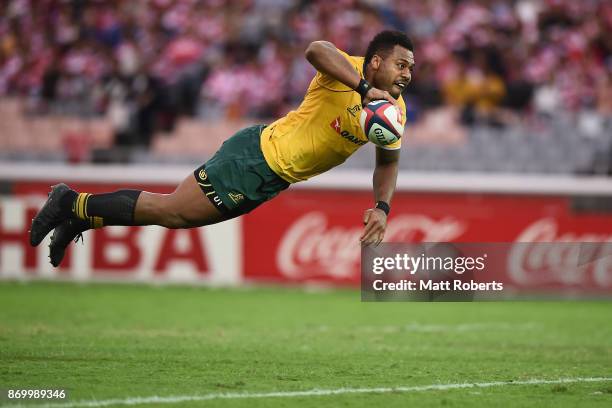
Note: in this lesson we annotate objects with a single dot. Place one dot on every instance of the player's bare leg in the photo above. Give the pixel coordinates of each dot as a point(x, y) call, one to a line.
point(186, 207)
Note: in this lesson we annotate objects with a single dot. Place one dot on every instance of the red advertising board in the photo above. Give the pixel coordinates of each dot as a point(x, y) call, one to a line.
point(312, 236)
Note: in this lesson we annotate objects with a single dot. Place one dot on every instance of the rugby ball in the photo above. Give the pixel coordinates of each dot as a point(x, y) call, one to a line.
point(381, 122)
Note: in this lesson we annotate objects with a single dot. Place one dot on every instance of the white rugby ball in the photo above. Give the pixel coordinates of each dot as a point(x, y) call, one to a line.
point(381, 122)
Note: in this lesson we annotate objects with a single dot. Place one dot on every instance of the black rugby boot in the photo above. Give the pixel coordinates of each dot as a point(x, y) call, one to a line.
point(70, 230)
point(55, 210)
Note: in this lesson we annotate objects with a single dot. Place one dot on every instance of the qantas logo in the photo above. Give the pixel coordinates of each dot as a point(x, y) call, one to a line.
point(336, 125)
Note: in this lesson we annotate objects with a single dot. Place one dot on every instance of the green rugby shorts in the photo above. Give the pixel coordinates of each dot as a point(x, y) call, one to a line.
point(237, 178)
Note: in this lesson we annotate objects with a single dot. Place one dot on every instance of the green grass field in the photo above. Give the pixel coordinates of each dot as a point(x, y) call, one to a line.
point(227, 347)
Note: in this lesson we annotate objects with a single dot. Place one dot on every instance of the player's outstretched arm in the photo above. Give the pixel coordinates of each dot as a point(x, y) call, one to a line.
point(385, 177)
point(326, 58)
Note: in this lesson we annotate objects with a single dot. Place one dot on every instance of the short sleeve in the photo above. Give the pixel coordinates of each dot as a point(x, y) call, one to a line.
point(393, 146)
point(333, 84)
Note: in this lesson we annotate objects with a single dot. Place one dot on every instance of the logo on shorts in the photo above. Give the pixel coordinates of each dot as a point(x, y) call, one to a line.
point(202, 175)
point(236, 197)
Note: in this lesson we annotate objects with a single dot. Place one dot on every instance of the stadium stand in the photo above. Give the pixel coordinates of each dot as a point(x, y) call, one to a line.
point(506, 86)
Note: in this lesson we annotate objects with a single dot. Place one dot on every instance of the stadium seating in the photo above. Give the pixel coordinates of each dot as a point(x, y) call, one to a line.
point(204, 79)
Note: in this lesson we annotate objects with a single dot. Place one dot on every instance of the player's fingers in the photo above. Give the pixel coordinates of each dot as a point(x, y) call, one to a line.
point(370, 96)
point(374, 239)
point(366, 216)
point(371, 231)
point(390, 98)
point(367, 232)
point(369, 240)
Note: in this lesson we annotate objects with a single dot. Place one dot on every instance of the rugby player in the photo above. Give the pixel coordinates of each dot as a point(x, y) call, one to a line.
point(259, 162)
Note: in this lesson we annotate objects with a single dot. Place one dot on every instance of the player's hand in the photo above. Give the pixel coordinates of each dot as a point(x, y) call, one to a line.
point(375, 221)
point(375, 94)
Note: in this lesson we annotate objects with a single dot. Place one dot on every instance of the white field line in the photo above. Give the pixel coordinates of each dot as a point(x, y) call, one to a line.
point(436, 328)
point(310, 393)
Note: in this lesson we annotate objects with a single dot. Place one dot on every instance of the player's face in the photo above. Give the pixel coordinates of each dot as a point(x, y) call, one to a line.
point(393, 72)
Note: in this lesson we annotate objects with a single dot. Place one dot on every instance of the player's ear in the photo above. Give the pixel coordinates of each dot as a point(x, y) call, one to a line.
point(375, 62)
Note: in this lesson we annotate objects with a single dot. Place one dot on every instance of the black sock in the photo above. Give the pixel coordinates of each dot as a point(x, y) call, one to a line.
point(114, 208)
point(67, 201)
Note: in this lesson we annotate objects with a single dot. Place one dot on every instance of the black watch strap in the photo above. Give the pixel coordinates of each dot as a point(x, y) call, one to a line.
point(363, 88)
point(383, 206)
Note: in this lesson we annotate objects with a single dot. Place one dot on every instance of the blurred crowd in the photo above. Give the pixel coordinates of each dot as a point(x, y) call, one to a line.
point(143, 63)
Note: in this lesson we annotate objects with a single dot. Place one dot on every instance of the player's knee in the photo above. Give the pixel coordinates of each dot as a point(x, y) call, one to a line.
point(174, 219)
point(166, 213)
point(173, 212)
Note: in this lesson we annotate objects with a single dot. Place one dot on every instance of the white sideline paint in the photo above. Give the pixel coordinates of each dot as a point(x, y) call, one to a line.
point(443, 328)
point(336, 179)
point(312, 393)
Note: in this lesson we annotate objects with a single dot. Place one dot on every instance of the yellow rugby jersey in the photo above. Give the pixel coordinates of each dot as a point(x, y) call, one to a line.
point(322, 133)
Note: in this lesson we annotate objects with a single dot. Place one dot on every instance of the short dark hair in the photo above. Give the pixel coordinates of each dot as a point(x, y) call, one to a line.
point(385, 41)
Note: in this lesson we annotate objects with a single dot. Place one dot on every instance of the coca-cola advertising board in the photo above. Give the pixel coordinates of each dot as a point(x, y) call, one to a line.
point(313, 236)
point(304, 235)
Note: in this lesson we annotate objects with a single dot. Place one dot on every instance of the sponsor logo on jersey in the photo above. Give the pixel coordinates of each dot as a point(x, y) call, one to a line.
point(337, 126)
point(352, 139)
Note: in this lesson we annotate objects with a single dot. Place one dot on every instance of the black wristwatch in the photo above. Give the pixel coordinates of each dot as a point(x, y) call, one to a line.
point(383, 206)
point(363, 88)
